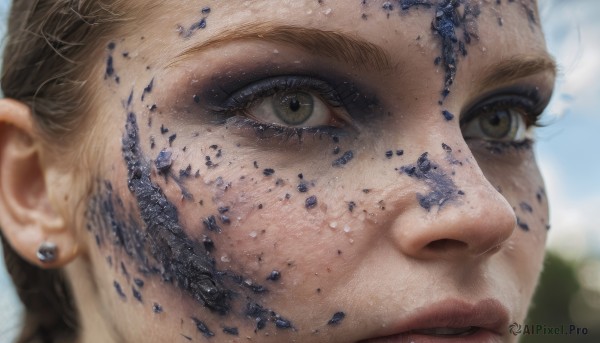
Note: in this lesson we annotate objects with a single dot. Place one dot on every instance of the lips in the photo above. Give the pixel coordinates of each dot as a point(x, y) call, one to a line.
point(450, 320)
point(447, 332)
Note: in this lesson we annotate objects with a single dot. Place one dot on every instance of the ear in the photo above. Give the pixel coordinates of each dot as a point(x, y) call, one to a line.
point(28, 218)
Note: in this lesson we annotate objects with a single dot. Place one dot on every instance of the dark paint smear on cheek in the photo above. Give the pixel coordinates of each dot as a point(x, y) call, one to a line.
point(345, 159)
point(210, 223)
point(119, 290)
point(310, 202)
point(139, 282)
point(136, 294)
point(163, 162)
point(302, 187)
point(148, 89)
point(274, 276)
point(337, 318)
point(180, 261)
point(261, 315)
point(522, 225)
point(201, 326)
point(540, 194)
point(526, 207)
point(164, 248)
point(231, 331)
point(442, 187)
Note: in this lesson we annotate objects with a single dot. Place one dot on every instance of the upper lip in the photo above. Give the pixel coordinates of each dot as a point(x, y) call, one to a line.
point(488, 314)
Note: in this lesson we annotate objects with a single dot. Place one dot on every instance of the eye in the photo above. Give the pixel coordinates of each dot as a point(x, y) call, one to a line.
point(288, 102)
point(498, 125)
point(503, 119)
point(292, 108)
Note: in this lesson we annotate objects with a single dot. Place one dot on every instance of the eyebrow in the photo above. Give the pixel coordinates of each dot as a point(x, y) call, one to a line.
point(333, 44)
point(517, 67)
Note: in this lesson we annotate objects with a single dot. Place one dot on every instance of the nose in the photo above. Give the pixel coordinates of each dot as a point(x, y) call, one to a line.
point(456, 212)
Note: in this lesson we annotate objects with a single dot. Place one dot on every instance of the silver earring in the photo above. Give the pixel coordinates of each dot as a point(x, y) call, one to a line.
point(47, 252)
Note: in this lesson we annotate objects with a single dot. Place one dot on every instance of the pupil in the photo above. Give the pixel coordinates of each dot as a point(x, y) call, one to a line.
point(495, 118)
point(294, 105)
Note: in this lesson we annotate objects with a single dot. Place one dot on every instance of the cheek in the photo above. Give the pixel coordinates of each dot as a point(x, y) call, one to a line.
point(215, 224)
point(515, 174)
point(267, 219)
point(524, 189)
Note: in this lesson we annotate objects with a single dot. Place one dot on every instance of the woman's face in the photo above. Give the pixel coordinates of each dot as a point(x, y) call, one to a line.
point(314, 171)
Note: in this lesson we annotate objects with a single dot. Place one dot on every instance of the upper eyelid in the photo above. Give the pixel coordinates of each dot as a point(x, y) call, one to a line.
point(525, 94)
point(286, 83)
point(300, 82)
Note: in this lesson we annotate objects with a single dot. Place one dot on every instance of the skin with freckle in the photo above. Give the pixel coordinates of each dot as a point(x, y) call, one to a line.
point(412, 181)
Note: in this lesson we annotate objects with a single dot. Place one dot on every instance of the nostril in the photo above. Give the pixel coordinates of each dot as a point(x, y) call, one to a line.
point(441, 245)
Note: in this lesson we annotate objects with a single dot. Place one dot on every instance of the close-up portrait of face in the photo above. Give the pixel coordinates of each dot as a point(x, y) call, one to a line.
point(273, 171)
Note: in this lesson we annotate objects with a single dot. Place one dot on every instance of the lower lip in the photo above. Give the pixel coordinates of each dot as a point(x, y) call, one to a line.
point(481, 336)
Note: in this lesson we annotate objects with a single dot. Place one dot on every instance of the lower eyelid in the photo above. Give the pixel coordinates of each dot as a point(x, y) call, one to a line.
point(251, 129)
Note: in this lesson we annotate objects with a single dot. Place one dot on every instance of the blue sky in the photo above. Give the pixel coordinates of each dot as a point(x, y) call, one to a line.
point(568, 150)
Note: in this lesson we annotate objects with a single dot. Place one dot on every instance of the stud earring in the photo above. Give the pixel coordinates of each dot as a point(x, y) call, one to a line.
point(47, 252)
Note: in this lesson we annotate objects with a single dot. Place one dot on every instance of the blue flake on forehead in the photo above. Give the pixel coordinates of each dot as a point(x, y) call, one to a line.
point(454, 23)
point(199, 24)
point(446, 24)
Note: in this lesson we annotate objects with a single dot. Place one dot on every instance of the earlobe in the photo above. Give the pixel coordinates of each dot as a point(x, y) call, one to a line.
point(28, 219)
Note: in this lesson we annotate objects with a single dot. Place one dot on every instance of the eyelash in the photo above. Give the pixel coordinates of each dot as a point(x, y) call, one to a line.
point(528, 103)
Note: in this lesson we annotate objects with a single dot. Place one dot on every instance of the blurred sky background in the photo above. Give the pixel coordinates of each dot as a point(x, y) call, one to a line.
point(568, 149)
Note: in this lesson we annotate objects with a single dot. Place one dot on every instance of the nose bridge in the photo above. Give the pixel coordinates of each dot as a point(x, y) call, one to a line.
point(456, 211)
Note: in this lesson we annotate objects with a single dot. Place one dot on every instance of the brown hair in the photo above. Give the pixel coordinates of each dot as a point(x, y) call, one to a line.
point(47, 41)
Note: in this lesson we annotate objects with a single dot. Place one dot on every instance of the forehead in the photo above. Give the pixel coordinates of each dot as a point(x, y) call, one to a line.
point(366, 17)
point(401, 27)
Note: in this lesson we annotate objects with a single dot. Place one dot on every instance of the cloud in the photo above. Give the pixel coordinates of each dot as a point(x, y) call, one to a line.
point(572, 31)
point(575, 231)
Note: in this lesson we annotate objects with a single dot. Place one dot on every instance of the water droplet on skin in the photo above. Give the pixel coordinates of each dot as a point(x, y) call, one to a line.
point(225, 259)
